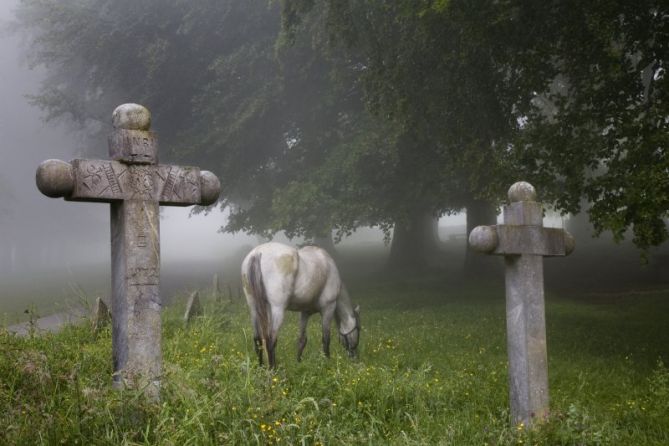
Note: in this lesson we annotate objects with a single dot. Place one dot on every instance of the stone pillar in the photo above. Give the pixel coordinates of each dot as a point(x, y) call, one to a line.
point(523, 241)
point(135, 302)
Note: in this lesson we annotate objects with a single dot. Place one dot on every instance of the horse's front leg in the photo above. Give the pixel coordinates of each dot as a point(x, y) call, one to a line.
point(327, 315)
point(302, 340)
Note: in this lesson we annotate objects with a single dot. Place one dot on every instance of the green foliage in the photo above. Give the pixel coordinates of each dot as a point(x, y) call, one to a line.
point(165, 55)
point(353, 185)
point(431, 371)
point(600, 128)
point(223, 92)
point(445, 75)
point(569, 96)
point(465, 98)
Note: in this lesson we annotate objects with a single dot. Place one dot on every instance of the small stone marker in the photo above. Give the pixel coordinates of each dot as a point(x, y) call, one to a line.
point(101, 315)
point(193, 307)
point(216, 287)
point(523, 241)
point(135, 185)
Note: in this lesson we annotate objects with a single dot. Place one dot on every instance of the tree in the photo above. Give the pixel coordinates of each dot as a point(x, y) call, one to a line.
point(165, 55)
point(272, 124)
point(601, 128)
point(571, 96)
point(221, 91)
point(388, 113)
point(447, 76)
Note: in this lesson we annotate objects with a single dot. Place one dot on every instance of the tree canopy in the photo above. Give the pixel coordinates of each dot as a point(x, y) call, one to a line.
point(600, 129)
point(569, 95)
point(322, 114)
point(222, 93)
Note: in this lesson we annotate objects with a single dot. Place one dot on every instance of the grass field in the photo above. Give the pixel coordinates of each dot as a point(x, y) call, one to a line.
point(432, 370)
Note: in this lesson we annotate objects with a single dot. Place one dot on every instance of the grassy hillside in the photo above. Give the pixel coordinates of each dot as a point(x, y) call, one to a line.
point(432, 370)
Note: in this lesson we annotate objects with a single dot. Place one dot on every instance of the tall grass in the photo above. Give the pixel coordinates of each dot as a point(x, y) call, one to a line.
point(432, 370)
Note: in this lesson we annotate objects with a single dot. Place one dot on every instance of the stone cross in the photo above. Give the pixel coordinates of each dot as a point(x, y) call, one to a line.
point(135, 185)
point(523, 241)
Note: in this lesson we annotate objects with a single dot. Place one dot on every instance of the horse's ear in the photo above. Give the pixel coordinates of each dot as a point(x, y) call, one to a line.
point(357, 309)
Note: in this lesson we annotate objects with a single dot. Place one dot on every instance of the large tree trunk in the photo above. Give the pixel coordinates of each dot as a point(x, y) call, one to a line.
point(479, 212)
point(415, 243)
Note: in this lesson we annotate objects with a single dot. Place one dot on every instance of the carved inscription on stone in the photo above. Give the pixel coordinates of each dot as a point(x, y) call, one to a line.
point(142, 275)
point(133, 146)
point(92, 179)
point(178, 185)
point(111, 178)
point(141, 239)
point(97, 180)
point(141, 182)
point(168, 188)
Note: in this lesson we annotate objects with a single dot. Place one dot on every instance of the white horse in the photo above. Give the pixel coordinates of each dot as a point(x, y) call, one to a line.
point(277, 278)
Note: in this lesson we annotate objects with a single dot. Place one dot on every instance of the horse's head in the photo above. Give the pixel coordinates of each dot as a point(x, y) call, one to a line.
point(351, 338)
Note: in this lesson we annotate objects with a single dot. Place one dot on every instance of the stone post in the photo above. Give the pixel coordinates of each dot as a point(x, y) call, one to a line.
point(193, 307)
point(135, 185)
point(523, 241)
point(101, 315)
point(216, 287)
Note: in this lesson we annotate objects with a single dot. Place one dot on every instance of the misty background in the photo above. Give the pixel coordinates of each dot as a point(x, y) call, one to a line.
point(49, 247)
point(53, 252)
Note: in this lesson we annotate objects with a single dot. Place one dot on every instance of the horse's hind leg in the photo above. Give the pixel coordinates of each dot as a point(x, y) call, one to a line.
point(277, 320)
point(271, 353)
point(327, 314)
point(257, 338)
point(302, 340)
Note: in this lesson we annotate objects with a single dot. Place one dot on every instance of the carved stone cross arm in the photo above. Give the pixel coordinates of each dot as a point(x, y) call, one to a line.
point(107, 181)
point(522, 231)
point(517, 240)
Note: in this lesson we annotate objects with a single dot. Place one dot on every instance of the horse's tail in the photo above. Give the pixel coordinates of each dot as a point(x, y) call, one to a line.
point(260, 302)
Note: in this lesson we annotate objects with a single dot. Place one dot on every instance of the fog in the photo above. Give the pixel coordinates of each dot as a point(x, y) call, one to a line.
point(66, 242)
point(53, 252)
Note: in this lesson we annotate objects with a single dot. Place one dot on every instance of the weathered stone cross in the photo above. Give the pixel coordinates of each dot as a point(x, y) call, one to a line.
point(523, 241)
point(135, 185)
